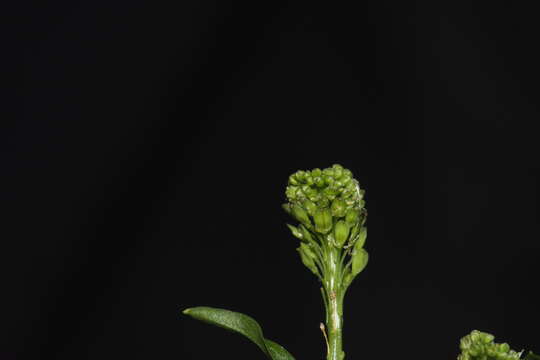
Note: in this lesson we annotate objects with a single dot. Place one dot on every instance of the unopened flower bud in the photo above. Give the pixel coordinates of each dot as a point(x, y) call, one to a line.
point(307, 257)
point(362, 236)
point(338, 170)
point(352, 217)
point(287, 208)
point(290, 192)
point(330, 193)
point(341, 233)
point(328, 171)
point(354, 232)
point(306, 233)
point(359, 261)
point(338, 208)
point(292, 180)
point(328, 180)
point(323, 202)
point(300, 214)
point(301, 176)
point(323, 220)
point(296, 232)
point(309, 206)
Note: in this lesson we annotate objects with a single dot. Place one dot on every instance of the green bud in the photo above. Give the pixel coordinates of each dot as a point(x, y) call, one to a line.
point(323, 202)
point(362, 236)
point(354, 232)
point(287, 208)
point(308, 257)
point(310, 192)
point(307, 249)
point(316, 172)
point(292, 180)
point(323, 220)
point(338, 208)
point(352, 217)
point(328, 180)
point(290, 192)
point(306, 233)
point(338, 170)
point(300, 214)
point(314, 197)
point(309, 206)
point(319, 181)
point(330, 193)
point(296, 232)
point(348, 279)
point(301, 176)
point(341, 233)
point(359, 261)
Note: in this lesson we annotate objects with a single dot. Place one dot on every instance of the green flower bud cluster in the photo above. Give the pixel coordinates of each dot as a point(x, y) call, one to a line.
point(329, 206)
point(480, 346)
point(319, 188)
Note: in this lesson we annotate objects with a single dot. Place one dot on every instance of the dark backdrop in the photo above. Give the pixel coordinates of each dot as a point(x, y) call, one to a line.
point(147, 170)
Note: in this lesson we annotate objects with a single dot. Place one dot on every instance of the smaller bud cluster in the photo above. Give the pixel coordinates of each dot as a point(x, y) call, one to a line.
point(480, 346)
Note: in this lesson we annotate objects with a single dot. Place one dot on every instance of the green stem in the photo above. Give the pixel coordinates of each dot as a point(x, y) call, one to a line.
point(334, 316)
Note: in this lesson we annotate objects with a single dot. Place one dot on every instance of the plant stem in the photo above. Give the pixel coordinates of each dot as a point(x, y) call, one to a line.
point(334, 310)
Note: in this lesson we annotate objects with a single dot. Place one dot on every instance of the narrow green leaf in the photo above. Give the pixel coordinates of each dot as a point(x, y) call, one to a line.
point(241, 324)
point(277, 352)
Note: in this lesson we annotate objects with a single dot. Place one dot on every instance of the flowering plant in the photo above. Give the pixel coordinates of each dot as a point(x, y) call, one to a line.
point(329, 208)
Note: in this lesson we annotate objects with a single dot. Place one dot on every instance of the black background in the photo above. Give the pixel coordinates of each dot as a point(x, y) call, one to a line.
point(147, 170)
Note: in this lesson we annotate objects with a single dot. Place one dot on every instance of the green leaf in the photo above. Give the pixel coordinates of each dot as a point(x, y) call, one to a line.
point(241, 324)
point(532, 356)
point(277, 352)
